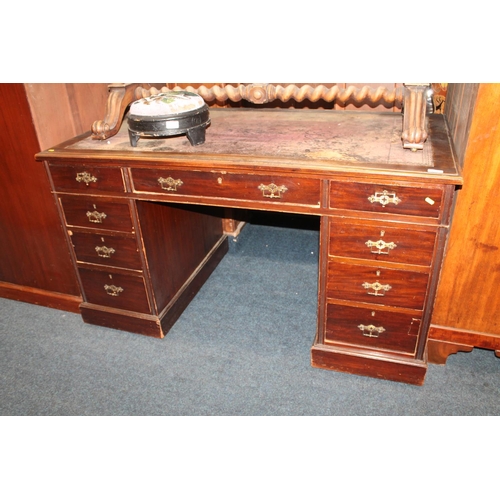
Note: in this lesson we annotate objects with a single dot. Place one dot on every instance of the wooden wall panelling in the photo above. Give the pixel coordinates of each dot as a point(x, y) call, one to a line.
point(35, 263)
point(460, 103)
point(63, 110)
point(466, 311)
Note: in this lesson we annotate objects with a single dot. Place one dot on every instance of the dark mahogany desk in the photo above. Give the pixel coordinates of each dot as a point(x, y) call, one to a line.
point(145, 231)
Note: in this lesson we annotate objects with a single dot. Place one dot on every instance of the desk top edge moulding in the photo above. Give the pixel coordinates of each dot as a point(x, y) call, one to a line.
point(413, 98)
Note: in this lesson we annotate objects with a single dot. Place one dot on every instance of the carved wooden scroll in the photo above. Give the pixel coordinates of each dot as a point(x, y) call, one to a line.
point(412, 98)
point(120, 96)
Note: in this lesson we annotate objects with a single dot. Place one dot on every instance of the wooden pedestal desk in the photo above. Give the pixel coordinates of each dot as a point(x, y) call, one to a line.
point(145, 228)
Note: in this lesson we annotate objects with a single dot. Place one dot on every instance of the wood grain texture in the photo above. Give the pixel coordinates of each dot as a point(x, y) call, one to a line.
point(459, 112)
point(399, 370)
point(467, 296)
point(176, 240)
point(382, 242)
point(33, 248)
point(348, 325)
point(62, 110)
point(362, 284)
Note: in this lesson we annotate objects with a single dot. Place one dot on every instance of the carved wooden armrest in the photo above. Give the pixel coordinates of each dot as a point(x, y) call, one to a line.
point(412, 98)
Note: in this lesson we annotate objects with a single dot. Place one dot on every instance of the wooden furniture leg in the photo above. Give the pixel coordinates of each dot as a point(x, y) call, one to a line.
point(438, 350)
point(444, 341)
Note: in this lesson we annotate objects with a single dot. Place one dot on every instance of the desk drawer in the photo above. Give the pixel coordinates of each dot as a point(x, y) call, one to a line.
point(377, 285)
point(87, 179)
point(378, 330)
point(113, 251)
point(112, 289)
point(379, 198)
point(97, 213)
point(267, 188)
point(381, 242)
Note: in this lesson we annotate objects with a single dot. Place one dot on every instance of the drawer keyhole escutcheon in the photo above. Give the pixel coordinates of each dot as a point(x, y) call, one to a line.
point(104, 251)
point(170, 184)
point(380, 246)
point(96, 217)
point(272, 190)
point(85, 177)
point(113, 290)
point(384, 198)
point(377, 288)
point(371, 330)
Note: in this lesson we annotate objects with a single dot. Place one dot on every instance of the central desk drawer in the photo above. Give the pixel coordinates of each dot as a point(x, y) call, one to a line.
point(113, 251)
point(379, 198)
point(378, 330)
point(267, 188)
point(377, 285)
point(117, 290)
point(97, 213)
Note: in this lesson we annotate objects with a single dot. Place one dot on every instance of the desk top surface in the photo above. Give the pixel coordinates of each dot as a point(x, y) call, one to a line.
point(299, 139)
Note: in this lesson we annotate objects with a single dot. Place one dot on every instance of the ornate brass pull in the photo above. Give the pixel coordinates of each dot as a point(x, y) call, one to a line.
point(371, 330)
point(85, 177)
point(272, 190)
point(379, 246)
point(104, 252)
point(384, 198)
point(113, 290)
point(170, 184)
point(96, 217)
point(378, 289)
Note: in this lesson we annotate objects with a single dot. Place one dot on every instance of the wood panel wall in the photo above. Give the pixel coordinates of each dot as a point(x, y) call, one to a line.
point(460, 105)
point(35, 264)
point(61, 111)
point(467, 307)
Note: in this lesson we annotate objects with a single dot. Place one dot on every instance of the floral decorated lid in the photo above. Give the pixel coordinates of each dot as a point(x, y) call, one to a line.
point(167, 103)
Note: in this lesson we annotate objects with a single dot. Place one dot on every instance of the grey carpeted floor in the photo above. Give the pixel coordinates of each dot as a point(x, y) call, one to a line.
point(242, 347)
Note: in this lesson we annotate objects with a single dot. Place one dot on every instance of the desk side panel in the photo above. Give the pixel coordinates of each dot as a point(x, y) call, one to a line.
point(176, 242)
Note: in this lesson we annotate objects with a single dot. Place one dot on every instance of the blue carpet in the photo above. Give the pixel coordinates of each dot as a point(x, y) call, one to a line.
point(242, 347)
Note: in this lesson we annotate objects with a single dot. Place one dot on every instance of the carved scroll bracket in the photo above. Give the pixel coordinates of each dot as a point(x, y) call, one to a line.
point(120, 96)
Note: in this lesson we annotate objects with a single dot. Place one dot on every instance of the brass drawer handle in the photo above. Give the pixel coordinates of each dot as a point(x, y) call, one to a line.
point(272, 190)
point(104, 252)
point(379, 246)
point(384, 198)
point(85, 177)
point(170, 184)
point(96, 217)
point(378, 289)
point(371, 330)
point(113, 290)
